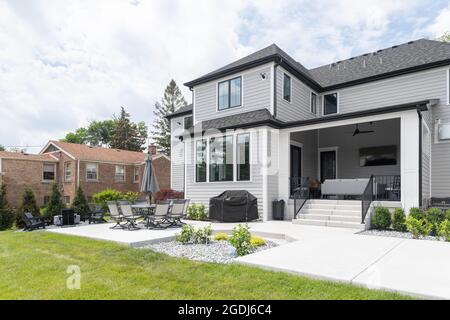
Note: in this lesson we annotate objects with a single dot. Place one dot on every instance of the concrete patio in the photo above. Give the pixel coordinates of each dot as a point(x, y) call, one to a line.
point(415, 267)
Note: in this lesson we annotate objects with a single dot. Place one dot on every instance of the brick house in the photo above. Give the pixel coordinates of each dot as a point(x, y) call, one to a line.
point(72, 165)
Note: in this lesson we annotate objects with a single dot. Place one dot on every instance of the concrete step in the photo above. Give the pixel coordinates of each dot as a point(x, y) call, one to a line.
point(335, 202)
point(325, 223)
point(351, 213)
point(333, 207)
point(329, 217)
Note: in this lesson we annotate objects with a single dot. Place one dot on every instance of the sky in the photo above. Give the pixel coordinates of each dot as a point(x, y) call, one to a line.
point(64, 63)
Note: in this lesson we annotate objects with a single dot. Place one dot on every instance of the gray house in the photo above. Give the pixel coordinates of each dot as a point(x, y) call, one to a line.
point(332, 141)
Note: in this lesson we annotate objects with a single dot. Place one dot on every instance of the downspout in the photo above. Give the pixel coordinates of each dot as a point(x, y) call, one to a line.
point(419, 113)
point(78, 173)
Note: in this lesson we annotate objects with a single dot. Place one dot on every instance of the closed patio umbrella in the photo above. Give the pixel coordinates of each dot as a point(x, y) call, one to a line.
point(149, 181)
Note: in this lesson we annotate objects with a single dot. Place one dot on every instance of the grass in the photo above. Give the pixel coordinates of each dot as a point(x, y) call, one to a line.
point(33, 266)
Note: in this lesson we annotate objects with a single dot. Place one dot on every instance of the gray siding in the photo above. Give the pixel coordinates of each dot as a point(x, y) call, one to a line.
point(299, 107)
point(177, 154)
point(256, 94)
point(440, 157)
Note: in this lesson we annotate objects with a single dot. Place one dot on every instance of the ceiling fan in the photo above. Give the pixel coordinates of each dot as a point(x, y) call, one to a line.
point(357, 131)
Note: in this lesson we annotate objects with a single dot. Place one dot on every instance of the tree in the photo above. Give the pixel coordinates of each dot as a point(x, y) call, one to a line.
point(445, 37)
point(100, 133)
point(128, 135)
point(173, 100)
point(79, 136)
point(28, 205)
point(2, 148)
point(55, 205)
point(6, 213)
point(80, 204)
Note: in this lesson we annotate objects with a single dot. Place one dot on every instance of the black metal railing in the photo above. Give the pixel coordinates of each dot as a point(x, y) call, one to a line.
point(300, 192)
point(366, 199)
point(386, 187)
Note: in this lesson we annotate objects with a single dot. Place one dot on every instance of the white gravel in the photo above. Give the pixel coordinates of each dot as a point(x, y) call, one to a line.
point(215, 251)
point(397, 234)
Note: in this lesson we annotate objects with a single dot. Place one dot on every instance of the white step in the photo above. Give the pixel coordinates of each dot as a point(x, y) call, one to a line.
point(329, 201)
point(325, 223)
point(331, 212)
point(333, 206)
point(327, 217)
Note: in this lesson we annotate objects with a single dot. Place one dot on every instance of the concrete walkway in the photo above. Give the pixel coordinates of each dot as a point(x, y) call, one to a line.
point(416, 267)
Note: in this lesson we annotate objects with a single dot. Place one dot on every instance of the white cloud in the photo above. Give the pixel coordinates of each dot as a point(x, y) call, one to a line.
point(64, 63)
point(441, 24)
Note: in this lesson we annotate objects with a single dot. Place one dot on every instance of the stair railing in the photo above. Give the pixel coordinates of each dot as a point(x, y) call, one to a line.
point(301, 194)
point(366, 199)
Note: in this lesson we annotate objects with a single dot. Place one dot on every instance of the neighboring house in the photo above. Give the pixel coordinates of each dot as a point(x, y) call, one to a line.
point(71, 165)
point(267, 124)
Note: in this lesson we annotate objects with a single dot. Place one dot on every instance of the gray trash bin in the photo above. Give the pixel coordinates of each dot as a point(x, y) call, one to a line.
point(278, 210)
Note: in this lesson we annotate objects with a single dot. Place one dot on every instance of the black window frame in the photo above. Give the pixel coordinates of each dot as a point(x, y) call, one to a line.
point(324, 103)
point(184, 122)
point(219, 108)
point(285, 75)
point(205, 158)
point(211, 165)
point(238, 168)
point(311, 109)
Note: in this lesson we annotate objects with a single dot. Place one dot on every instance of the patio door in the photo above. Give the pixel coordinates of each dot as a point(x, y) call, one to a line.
point(328, 165)
point(296, 166)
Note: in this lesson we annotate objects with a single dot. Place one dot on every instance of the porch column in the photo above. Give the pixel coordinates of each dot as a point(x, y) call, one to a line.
point(283, 166)
point(409, 163)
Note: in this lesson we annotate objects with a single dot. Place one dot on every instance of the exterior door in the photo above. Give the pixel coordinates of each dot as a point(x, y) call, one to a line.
point(327, 165)
point(296, 166)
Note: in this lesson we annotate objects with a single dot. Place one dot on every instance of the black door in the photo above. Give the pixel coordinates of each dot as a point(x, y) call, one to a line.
point(327, 165)
point(296, 167)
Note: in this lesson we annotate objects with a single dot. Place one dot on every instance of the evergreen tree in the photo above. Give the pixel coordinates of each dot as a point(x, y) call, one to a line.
point(2, 148)
point(6, 213)
point(28, 205)
point(128, 135)
point(80, 205)
point(55, 205)
point(173, 100)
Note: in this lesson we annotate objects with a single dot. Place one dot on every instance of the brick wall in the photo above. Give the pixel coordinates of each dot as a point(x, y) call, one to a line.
point(162, 171)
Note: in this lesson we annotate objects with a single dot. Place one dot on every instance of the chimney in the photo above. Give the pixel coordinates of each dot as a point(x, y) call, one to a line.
point(152, 149)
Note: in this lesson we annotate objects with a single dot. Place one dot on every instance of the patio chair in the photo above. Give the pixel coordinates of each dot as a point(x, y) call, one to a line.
point(159, 220)
point(31, 222)
point(97, 214)
point(178, 211)
point(128, 215)
point(115, 214)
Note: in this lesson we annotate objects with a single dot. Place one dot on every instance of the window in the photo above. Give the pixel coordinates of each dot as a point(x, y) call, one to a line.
point(136, 174)
point(221, 159)
point(187, 123)
point(230, 93)
point(200, 161)
point(313, 103)
point(49, 171)
point(243, 157)
point(67, 171)
point(286, 87)
point(91, 172)
point(67, 200)
point(330, 103)
point(443, 131)
point(120, 173)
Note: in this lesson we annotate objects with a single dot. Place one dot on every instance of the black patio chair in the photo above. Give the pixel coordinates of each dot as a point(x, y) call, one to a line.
point(32, 223)
point(129, 216)
point(115, 214)
point(97, 215)
point(159, 219)
point(177, 212)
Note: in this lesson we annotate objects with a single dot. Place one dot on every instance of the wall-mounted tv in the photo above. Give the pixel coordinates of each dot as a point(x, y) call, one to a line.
point(378, 156)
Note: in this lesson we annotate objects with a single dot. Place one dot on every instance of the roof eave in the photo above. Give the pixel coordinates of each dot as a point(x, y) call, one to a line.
point(179, 114)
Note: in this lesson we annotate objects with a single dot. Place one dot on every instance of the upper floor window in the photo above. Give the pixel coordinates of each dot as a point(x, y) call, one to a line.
point(67, 171)
point(200, 161)
point(120, 173)
point(443, 131)
point(221, 159)
point(187, 122)
point(49, 172)
point(313, 106)
point(243, 157)
point(91, 172)
point(286, 87)
point(330, 103)
point(230, 93)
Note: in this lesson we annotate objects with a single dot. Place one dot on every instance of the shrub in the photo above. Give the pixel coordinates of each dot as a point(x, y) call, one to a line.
point(258, 241)
point(131, 196)
point(165, 194)
point(80, 205)
point(6, 213)
point(435, 216)
point(55, 205)
point(106, 195)
point(444, 230)
point(447, 214)
point(418, 227)
point(241, 239)
point(28, 205)
point(416, 213)
point(221, 236)
point(197, 212)
point(398, 220)
point(382, 218)
point(187, 233)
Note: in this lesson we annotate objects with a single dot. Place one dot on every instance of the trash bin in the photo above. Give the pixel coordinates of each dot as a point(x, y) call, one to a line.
point(278, 210)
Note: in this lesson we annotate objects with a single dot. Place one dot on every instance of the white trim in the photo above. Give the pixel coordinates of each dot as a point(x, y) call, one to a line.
point(124, 173)
point(448, 86)
point(134, 174)
point(55, 172)
point(65, 171)
point(91, 180)
point(429, 155)
point(272, 82)
point(50, 143)
point(290, 87)
point(229, 89)
point(325, 149)
point(310, 105)
point(265, 178)
point(323, 103)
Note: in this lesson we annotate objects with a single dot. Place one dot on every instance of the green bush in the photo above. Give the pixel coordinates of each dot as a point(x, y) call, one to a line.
point(202, 235)
point(447, 214)
point(435, 216)
point(55, 205)
point(418, 227)
point(416, 213)
point(382, 218)
point(131, 196)
point(197, 212)
point(258, 241)
point(80, 205)
point(6, 213)
point(221, 236)
point(28, 205)
point(241, 239)
point(444, 230)
point(190, 234)
point(106, 195)
point(187, 233)
point(398, 220)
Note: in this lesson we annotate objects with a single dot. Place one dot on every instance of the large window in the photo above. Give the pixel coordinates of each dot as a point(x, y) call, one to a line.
point(49, 172)
point(91, 172)
point(330, 103)
point(230, 93)
point(67, 171)
point(313, 106)
point(286, 87)
point(120, 173)
point(221, 159)
point(243, 157)
point(200, 161)
point(187, 123)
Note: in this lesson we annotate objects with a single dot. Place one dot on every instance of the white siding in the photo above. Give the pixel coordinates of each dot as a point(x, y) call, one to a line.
point(256, 93)
point(177, 155)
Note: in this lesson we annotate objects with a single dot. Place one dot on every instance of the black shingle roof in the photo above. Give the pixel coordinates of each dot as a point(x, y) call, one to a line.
point(181, 111)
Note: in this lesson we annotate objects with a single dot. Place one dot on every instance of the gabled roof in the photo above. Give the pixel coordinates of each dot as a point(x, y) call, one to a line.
point(26, 156)
point(181, 111)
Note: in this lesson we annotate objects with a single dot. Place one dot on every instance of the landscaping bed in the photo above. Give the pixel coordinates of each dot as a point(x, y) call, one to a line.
point(398, 234)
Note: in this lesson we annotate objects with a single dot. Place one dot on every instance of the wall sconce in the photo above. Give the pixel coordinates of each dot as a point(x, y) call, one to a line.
point(263, 75)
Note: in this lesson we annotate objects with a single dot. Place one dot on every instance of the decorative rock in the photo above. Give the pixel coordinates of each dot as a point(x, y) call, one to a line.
point(396, 234)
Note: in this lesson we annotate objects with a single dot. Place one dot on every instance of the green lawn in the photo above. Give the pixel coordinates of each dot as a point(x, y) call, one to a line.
point(33, 266)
